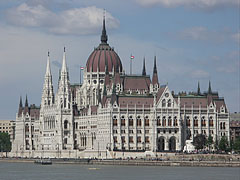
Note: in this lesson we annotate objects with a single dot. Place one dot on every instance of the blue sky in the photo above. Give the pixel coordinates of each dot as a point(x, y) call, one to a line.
point(193, 41)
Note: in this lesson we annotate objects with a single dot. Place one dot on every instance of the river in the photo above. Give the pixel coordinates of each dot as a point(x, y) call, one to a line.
point(31, 171)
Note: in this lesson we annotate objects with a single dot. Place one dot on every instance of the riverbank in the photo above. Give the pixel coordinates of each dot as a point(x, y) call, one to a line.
point(183, 160)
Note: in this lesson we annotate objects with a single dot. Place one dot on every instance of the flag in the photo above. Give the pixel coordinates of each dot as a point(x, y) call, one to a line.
point(82, 68)
point(132, 57)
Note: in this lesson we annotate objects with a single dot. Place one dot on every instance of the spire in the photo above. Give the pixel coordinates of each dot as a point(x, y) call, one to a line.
point(104, 37)
point(48, 94)
point(155, 65)
point(20, 109)
point(20, 103)
point(64, 64)
point(48, 69)
point(198, 89)
point(155, 75)
point(209, 88)
point(26, 102)
point(144, 68)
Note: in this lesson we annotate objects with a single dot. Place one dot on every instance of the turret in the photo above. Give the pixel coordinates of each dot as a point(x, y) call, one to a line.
point(26, 108)
point(64, 92)
point(20, 108)
point(198, 89)
point(209, 88)
point(48, 94)
point(144, 68)
point(155, 84)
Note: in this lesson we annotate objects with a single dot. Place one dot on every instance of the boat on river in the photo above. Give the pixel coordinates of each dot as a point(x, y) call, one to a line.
point(43, 161)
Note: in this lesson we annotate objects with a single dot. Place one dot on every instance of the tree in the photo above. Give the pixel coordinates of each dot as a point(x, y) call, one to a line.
point(209, 141)
point(236, 144)
point(223, 144)
point(199, 141)
point(5, 143)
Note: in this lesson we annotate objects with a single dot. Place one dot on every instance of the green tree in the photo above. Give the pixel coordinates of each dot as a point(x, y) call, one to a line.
point(223, 144)
point(236, 144)
point(209, 141)
point(5, 143)
point(199, 141)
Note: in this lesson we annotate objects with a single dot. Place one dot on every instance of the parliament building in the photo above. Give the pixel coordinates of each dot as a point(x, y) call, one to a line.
point(113, 114)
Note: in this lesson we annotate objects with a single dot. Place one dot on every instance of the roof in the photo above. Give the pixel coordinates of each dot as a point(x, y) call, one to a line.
point(136, 82)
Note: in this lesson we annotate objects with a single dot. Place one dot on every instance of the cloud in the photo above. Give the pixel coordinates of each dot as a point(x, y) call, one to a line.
point(204, 34)
point(74, 21)
point(199, 4)
point(200, 74)
point(236, 37)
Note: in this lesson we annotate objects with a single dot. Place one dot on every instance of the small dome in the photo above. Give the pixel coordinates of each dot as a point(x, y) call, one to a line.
point(103, 55)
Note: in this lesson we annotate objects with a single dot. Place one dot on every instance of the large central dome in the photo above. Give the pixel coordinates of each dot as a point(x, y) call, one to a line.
point(103, 56)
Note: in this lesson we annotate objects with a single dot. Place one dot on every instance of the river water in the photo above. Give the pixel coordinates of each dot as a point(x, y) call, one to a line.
point(30, 171)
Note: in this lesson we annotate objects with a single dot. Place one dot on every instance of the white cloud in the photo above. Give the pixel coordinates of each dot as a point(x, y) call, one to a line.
point(200, 74)
point(200, 4)
point(75, 21)
point(205, 34)
point(236, 37)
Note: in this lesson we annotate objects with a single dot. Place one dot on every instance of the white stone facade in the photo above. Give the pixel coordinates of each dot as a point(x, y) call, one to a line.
point(107, 114)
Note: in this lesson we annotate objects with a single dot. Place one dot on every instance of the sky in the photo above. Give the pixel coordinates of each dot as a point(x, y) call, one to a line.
point(194, 41)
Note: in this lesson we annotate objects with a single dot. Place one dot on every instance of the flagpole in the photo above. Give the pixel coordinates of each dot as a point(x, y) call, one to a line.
point(80, 75)
point(131, 64)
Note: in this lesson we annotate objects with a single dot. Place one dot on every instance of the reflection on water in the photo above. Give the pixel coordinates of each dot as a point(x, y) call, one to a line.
point(31, 171)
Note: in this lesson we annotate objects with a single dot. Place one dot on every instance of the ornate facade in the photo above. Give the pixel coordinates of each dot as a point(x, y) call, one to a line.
point(112, 111)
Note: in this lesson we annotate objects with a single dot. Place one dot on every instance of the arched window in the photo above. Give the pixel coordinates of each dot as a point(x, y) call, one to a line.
point(164, 121)
point(130, 121)
point(139, 121)
point(169, 103)
point(158, 121)
point(169, 121)
point(163, 103)
point(65, 124)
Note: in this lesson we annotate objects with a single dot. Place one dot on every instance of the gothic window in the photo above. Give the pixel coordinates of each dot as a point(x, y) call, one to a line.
point(146, 121)
point(175, 123)
point(115, 139)
point(65, 124)
point(130, 139)
point(114, 120)
point(147, 139)
point(164, 121)
point(188, 121)
point(195, 121)
point(158, 121)
point(139, 121)
point(163, 103)
point(169, 103)
point(169, 121)
point(130, 121)
point(139, 140)
point(122, 121)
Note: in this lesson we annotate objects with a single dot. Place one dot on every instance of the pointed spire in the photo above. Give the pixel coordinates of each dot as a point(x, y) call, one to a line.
point(144, 68)
point(198, 89)
point(20, 103)
point(209, 88)
point(155, 75)
point(104, 36)
point(155, 65)
point(64, 64)
point(48, 69)
point(26, 102)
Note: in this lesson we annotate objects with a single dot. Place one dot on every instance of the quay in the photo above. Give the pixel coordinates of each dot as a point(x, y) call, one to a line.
point(195, 160)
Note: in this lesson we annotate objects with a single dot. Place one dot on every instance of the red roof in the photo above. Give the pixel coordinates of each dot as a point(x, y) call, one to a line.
point(101, 56)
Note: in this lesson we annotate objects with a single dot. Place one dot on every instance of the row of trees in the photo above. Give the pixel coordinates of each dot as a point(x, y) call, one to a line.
point(200, 142)
point(5, 143)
